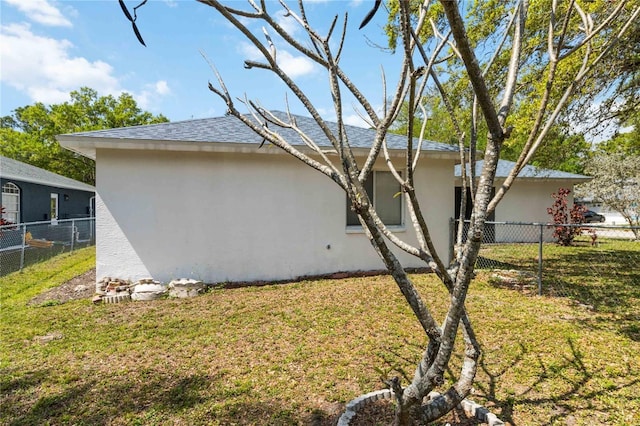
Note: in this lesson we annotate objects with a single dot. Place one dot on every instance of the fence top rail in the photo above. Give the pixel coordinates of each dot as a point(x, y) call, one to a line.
point(46, 222)
point(595, 225)
point(572, 225)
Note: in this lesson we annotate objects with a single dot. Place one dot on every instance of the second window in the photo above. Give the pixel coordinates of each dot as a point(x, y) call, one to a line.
point(385, 194)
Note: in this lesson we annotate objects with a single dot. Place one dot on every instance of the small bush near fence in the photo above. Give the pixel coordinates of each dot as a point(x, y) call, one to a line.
point(599, 270)
point(28, 243)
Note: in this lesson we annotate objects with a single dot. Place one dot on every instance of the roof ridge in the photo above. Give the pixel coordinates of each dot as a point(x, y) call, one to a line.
point(138, 126)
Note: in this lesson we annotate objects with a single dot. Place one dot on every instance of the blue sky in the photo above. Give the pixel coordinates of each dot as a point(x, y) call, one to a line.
point(49, 48)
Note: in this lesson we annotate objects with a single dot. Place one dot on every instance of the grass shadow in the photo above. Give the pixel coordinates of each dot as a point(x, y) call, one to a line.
point(130, 397)
point(487, 263)
point(560, 403)
point(604, 280)
point(146, 398)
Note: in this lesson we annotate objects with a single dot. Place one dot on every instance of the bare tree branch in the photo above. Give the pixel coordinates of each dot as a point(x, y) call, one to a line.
point(417, 74)
point(537, 135)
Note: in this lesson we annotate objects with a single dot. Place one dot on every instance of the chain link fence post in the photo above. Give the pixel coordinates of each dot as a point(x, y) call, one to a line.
point(24, 245)
point(540, 241)
point(73, 227)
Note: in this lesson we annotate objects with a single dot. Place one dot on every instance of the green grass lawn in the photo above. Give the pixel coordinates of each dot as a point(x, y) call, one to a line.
point(295, 353)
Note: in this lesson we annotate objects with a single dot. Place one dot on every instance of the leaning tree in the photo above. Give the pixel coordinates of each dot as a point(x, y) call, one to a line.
point(544, 53)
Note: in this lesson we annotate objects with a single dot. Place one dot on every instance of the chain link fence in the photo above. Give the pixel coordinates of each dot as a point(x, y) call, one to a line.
point(28, 243)
point(599, 270)
point(600, 267)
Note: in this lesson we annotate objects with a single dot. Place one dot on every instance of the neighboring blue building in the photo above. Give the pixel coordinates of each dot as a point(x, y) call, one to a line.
point(31, 194)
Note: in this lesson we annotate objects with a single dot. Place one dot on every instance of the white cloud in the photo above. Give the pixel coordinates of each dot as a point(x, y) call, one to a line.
point(294, 66)
point(41, 11)
point(250, 51)
point(162, 88)
point(45, 69)
point(355, 120)
point(149, 97)
point(288, 23)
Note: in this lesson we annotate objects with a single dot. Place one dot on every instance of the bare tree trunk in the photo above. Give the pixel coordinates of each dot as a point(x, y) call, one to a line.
point(417, 68)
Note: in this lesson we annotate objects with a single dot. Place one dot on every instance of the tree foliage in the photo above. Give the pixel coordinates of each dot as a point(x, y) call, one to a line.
point(616, 88)
point(28, 135)
point(616, 183)
point(561, 149)
point(627, 142)
point(609, 95)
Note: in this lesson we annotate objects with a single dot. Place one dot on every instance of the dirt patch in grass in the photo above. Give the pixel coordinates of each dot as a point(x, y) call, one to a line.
point(382, 412)
point(82, 286)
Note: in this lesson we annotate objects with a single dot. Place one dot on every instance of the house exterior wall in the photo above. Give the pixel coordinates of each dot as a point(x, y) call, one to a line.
point(527, 202)
point(35, 201)
point(237, 217)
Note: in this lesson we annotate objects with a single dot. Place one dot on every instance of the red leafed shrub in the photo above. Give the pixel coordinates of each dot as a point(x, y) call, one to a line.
point(562, 215)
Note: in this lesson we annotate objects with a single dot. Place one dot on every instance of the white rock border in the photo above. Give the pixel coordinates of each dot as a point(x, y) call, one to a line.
point(481, 413)
point(355, 404)
point(470, 407)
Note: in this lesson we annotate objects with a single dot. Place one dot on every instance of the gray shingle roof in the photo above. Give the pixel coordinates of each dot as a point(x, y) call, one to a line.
point(528, 172)
point(228, 129)
point(16, 170)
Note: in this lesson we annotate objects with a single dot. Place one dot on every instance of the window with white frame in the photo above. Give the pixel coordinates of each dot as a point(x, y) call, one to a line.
point(11, 202)
point(385, 194)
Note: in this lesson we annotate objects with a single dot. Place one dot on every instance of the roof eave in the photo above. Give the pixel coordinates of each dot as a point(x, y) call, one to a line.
point(87, 146)
point(574, 179)
point(12, 177)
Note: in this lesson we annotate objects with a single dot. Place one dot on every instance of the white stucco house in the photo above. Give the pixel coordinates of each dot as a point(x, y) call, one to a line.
point(205, 199)
point(201, 199)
